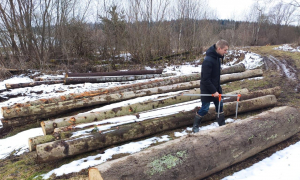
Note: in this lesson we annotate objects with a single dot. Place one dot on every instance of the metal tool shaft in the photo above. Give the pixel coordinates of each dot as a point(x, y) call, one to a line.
point(224, 95)
point(220, 99)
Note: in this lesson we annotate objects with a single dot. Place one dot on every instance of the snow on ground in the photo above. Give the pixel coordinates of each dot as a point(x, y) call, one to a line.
point(252, 61)
point(281, 165)
point(18, 143)
point(288, 47)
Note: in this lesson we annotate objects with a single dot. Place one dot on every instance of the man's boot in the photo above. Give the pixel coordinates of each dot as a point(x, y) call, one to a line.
point(220, 119)
point(197, 121)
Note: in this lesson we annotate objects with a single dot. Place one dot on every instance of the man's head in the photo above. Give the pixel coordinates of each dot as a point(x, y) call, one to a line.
point(222, 47)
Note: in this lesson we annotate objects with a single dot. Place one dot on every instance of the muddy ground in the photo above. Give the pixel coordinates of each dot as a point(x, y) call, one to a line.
point(280, 69)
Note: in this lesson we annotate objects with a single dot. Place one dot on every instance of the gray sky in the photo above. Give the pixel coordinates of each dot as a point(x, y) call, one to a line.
point(231, 9)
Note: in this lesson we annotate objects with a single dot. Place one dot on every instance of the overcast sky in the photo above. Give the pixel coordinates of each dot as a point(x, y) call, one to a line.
point(237, 9)
point(231, 9)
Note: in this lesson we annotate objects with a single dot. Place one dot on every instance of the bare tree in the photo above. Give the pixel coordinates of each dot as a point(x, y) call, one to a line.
point(281, 14)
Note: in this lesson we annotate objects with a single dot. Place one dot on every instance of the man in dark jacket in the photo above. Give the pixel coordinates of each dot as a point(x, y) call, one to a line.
point(210, 82)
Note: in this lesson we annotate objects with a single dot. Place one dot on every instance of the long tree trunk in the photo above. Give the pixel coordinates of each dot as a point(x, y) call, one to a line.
point(202, 154)
point(117, 73)
point(50, 109)
point(49, 78)
point(64, 127)
point(102, 79)
point(134, 87)
point(244, 96)
point(77, 145)
point(46, 110)
point(66, 131)
point(50, 125)
point(19, 121)
point(123, 88)
point(31, 84)
point(234, 69)
point(238, 76)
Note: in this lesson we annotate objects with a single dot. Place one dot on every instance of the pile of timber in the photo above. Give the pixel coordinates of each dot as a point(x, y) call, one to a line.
point(31, 84)
point(75, 78)
point(19, 114)
point(103, 79)
point(70, 121)
point(199, 155)
point(60, 144)
point(64, 127)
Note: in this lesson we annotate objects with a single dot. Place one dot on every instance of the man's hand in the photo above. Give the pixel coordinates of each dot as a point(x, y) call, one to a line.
point(216, 94)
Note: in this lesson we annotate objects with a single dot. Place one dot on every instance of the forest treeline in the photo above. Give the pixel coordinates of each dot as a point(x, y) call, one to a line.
point(34, 33)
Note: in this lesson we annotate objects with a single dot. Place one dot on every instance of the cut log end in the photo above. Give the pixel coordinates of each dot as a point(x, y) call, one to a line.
point(43, 127)
point(94, 174)
point(31, 148)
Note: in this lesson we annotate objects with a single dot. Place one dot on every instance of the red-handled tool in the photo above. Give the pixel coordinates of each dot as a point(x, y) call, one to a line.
point(220, 99)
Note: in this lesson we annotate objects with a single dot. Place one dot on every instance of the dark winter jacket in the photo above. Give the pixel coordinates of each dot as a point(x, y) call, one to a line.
point(210, 74)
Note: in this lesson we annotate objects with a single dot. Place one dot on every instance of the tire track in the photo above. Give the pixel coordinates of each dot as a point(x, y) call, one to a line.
point(286, 70)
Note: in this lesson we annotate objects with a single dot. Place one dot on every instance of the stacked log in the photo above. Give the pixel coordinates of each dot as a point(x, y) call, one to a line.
point(76, 78)
point(234, 69)
point(49, 126)
point(64, 127)
point(76, 145)
point(63, 132)
point(199, 155)
point(103, 79)
point(117, 73)
point(43, 109)
point(48, 78)
point(31, 84)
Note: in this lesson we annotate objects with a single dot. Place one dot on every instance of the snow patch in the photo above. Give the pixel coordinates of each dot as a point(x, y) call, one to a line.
point(18, 144)
point(288, 47)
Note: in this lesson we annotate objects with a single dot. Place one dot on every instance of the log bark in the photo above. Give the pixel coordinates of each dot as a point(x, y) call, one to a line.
point(123, 88)
point(244, 96)
point(103, 79)
point(19, 121)
point(50, 109)
point(117, 73)
point(46, 110)
point(239, 76)
point(66, 126)
point(234, 69)
point(72, 146)
point(199, 155)
point(31, 84)
point(49, 78)
point(49, 126)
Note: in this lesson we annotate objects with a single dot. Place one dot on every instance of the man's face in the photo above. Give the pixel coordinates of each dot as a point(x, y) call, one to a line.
point(222, 51)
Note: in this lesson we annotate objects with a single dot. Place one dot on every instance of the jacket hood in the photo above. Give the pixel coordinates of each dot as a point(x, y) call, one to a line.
point(213, 53)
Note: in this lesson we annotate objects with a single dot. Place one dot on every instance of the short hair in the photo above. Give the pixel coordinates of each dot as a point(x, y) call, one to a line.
point(222, 43)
